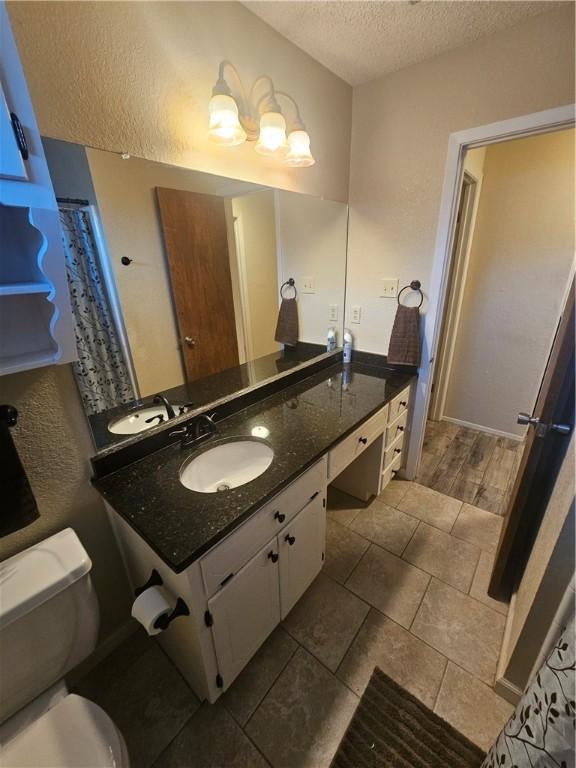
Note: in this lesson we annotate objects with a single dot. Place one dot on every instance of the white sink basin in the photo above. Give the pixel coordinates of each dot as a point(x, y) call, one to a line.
point(226, 466)
point(135, 421)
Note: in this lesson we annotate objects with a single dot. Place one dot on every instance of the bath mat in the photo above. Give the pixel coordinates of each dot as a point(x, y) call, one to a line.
point(392, 729)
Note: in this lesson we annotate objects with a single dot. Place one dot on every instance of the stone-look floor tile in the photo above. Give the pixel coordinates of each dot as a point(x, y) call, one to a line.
point(440, 554)
point(407, 660)
point(471, 707)
point(490, 499)
point(431, 507)
point(385, 526)
point(104, 674)
point(301, 721)
point(253, 683)
point(389, 584)
point(478, 527)
point(394, 492)
point(149, 702)
point(211, 739)
point(461, 628)
point(479, 588)
point(344, 548)
point(325, 620)
point(342, 507)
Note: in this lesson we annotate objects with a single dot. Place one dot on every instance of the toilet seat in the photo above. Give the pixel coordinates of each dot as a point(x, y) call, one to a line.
point(75, 733)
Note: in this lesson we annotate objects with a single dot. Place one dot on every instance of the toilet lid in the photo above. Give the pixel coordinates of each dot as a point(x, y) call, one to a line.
point(75, 733)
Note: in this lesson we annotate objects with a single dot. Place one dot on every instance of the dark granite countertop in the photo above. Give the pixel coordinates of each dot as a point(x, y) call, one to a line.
point(304, 421)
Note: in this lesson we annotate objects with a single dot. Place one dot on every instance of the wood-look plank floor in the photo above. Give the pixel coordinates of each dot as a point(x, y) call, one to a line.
point(469, 465)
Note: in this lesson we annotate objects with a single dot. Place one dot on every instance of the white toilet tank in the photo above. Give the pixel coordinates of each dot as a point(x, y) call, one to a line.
point(48, 618)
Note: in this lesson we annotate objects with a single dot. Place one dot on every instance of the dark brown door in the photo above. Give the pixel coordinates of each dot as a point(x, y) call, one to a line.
point(546, 445)
point(196, 242)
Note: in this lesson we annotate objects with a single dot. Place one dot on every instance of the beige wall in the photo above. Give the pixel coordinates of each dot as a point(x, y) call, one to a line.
point(520, 262)
point(137, 77)
point(401, 125)
point(255, 226)
point(313, 238)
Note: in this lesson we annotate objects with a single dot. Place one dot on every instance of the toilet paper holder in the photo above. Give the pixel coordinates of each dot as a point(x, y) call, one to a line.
point(180, 609)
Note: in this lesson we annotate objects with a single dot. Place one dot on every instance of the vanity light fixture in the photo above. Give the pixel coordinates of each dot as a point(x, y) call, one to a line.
point(236, 117)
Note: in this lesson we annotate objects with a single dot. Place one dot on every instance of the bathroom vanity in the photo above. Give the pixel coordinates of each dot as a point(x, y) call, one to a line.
point(241, 558)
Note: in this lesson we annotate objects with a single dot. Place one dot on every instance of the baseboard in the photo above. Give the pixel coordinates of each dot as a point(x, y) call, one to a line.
point(480, 428)
point(105, 648)
point(508, 691)
point(502, 686)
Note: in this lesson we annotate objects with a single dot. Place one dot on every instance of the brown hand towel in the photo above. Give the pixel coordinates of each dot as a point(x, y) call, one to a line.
point(404, 347)
point(287, 326)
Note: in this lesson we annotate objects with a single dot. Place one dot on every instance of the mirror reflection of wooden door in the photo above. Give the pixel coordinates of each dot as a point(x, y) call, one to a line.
point(196, 243)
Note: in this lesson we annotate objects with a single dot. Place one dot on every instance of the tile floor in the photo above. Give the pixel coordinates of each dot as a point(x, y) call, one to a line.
point(469, 465)
point(404, 588)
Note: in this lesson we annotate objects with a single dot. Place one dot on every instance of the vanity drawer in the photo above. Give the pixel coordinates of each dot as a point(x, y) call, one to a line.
point(390, 471)
point(394, 451)
point(396, 428)
point(399, 404)
point(352, 446)
point(230, 555)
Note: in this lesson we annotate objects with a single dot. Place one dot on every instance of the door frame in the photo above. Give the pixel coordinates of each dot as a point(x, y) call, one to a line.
point(546, 121)
point(470, 190)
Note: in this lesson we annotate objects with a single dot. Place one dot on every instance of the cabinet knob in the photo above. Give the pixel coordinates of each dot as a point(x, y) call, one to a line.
point(363, 440)
point(279, 516)
point(290, 539)
point(273, 556)
point(397, 450)
point(400, 429)
point(403, 403)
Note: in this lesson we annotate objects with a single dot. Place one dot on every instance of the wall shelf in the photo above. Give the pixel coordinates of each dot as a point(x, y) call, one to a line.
point(22, 289)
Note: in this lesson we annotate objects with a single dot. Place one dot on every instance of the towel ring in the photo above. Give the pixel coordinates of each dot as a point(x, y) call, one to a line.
point(415, 285)
point(290, 284)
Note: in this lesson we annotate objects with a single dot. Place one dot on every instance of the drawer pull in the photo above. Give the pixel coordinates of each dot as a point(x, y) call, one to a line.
point(279, 516)
point(273, 556)
point(397, 450)
point(403, 403)
point(363, 440)
point(400, 429)
point(290, 539)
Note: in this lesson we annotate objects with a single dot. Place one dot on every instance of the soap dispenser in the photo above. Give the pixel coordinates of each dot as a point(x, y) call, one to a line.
point(347, 346)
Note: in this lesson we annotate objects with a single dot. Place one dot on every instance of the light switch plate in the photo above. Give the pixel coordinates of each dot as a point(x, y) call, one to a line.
point(388, 287)
point(333, 313)
point(308, 285)
point(356, 315)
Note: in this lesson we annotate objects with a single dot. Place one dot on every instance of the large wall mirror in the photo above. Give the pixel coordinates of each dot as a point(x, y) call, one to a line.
point(176, 279)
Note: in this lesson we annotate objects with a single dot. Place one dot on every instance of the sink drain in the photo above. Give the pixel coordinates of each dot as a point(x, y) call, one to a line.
point(223, 487)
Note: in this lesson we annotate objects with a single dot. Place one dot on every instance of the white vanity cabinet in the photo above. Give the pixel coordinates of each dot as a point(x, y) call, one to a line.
point(243, 587)
point(36, 326)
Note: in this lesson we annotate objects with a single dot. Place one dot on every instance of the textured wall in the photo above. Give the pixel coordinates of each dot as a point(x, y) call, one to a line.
point(54, 445)
point(401, 125)
point(137, 77)
point(520, 262)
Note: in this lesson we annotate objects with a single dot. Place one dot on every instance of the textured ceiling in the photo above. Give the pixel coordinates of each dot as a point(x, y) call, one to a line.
point(360, 40)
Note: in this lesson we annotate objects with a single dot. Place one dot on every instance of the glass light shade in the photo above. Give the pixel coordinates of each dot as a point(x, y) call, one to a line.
point(272, 138)
point(224, 127)
point(299, 155)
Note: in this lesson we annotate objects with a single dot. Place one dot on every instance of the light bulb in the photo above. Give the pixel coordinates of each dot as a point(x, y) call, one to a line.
point(272, 138)
point(299, 155)
point(224, 127)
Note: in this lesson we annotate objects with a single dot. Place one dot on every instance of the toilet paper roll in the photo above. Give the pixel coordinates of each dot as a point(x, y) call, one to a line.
point(149, 606)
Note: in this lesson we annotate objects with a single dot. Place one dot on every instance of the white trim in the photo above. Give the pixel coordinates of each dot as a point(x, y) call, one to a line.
point(480, 428)
point(539, 122)
point(243, 284)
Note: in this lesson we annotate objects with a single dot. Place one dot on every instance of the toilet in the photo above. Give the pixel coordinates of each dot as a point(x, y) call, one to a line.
point(48, 624)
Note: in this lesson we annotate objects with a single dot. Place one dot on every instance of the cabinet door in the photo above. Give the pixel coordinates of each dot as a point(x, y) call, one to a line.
point(301, 548)
point(245, 612)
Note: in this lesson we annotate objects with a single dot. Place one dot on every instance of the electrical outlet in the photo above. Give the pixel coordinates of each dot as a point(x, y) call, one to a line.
point(356, 314)
point(308, 285)
point(333, 313)
point(389, 288)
